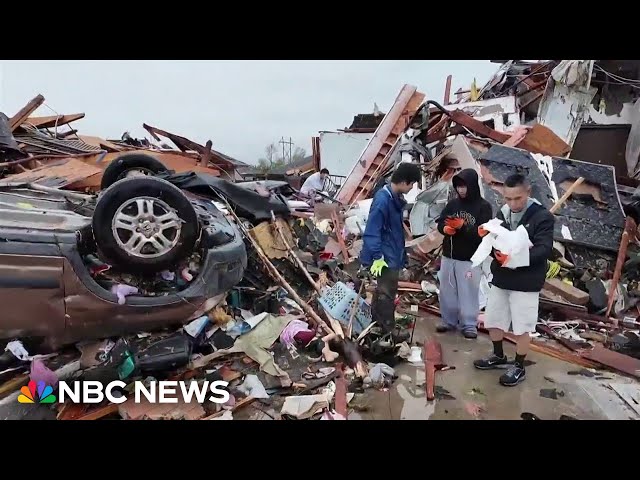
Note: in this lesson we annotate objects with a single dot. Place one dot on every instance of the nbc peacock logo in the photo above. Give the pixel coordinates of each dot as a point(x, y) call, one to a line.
point(44, 393)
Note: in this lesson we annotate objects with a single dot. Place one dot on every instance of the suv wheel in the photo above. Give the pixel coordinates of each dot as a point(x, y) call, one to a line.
point(145, 223)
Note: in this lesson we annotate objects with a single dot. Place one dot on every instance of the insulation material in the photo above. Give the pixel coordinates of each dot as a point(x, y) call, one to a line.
point(270, 241)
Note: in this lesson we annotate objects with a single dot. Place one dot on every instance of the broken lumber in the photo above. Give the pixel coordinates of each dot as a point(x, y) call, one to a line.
point(341, 392)
point(276, 274)
point(629, 230)
point(536, 346)
point(432, 362)
point(567, 291)
point(556, 206)
point(617, 361)
point(293, 254)
point(354, 309)
point(11, 385)
point(24, 113)
point(343, 247)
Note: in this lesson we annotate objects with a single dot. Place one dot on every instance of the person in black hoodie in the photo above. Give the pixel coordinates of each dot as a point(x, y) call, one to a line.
point(459, 280)
point(514, 294)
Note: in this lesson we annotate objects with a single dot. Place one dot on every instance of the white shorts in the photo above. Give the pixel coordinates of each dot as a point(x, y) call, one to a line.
point(507, 308)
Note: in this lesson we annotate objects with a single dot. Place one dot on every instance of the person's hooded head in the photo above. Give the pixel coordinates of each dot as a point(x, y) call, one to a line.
point(466, 185)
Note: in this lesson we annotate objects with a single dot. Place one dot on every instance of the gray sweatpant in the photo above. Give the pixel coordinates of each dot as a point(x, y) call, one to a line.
point(459, 285)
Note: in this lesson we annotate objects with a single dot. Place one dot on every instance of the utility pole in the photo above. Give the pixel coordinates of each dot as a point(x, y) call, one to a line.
point(284, 142)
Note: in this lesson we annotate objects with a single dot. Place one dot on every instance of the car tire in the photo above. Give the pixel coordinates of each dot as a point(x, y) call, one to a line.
point(124, 165)
point(144, 224)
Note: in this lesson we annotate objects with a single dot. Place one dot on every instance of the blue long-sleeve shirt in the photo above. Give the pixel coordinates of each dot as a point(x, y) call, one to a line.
point(384, 233)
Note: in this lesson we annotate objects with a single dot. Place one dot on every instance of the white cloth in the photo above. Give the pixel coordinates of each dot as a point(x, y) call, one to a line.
point(508, 308)
point(515, 244)
point(314, 182)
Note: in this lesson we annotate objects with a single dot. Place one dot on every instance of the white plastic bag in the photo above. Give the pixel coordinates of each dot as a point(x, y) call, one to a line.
point(515, 244)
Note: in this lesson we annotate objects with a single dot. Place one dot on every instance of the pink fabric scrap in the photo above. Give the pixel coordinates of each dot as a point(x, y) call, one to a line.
point(40, 373)
point(291, 330)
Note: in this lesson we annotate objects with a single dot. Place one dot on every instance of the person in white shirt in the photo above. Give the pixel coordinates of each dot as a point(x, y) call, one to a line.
point(313, 184)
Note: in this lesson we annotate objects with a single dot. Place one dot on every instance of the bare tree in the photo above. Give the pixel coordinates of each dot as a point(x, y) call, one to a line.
point(298, 154)
point(273, 159)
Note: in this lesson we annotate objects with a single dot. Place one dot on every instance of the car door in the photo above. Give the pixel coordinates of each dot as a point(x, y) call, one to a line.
point(31, 295)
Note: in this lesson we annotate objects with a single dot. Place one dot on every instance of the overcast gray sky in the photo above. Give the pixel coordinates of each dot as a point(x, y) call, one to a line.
point(240, 105)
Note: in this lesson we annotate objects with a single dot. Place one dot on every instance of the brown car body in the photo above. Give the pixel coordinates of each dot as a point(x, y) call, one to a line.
point(47, 292)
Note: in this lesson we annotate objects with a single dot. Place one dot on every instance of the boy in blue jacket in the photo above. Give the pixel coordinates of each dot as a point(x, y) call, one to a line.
point(383, 250)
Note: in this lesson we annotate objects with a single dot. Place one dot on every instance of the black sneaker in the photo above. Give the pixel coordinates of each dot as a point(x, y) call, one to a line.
point(469, 334)
point(443, 327)
point(491, 362)
point(513, 377)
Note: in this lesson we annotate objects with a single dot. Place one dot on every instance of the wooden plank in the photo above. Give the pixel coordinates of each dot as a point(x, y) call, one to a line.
point(617, 361)
point(14, 384)
point(19, 118)
point(566, 291)
point(629, 393)
point(66, 171)
point(52, 121)
point(432, 360)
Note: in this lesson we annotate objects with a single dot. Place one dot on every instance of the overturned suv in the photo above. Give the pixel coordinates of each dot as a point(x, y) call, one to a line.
point(140, 225)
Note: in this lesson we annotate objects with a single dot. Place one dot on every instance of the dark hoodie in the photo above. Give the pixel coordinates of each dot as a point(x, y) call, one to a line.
point(474, 209)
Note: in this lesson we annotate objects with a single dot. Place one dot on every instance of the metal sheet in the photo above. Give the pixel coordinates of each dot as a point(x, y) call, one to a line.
point(340, 150)
point(428, 207)
point(41, 143)
point(565, 104)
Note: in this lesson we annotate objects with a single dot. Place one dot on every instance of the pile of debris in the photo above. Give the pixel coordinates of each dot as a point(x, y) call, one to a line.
point(271, 298)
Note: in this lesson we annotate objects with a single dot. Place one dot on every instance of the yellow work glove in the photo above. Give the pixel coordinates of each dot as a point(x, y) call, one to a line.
point(378, 265)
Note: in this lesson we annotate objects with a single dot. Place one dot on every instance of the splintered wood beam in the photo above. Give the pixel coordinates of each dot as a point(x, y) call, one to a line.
point(19, 118)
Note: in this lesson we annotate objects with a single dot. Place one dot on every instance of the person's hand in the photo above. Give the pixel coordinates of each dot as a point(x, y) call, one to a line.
point(502, 258)
point(455, 223)
point(449, 230)
point(482, 232)
point(378, 265)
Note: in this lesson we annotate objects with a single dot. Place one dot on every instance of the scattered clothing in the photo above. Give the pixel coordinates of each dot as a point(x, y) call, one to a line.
point(41, 373)
point(295, 327)
point(17, 349)
point(122, 291)
point(253, 387)
point(381, 375)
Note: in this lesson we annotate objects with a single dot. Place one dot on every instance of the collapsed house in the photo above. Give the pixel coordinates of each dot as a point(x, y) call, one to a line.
point(295, 333)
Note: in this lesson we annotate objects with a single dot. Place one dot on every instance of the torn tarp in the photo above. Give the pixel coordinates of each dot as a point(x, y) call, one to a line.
point(247, 203)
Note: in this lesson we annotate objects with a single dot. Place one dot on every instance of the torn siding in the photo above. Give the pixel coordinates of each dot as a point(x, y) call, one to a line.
point(566, 100)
